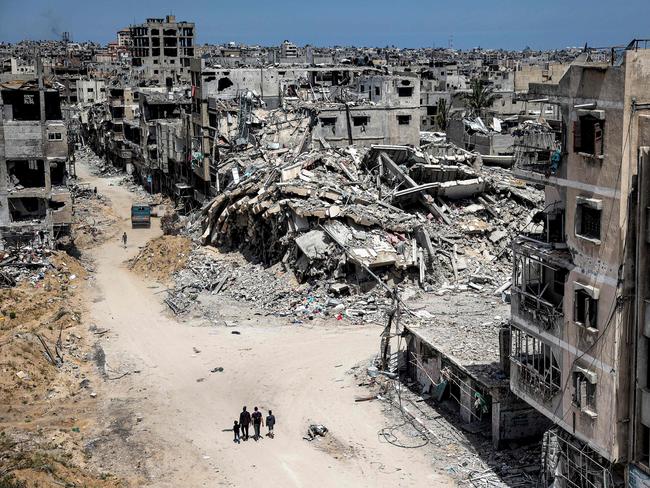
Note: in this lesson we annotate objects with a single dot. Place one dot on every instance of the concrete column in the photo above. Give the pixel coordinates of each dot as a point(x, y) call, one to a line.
point(467, 405)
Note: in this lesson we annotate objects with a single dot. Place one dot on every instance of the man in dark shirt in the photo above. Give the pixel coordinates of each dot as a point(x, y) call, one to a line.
point(270, 422)
point(257, 422)
point(244, 421)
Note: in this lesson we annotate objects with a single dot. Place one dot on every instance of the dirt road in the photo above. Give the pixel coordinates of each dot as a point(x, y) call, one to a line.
point(170, 412)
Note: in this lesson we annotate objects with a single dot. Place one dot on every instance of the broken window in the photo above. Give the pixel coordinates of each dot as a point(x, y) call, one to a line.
point(588, 217)
point(403, 119)
point(584, 390)
point(360, 120)
point(377, 91)
point(28, 208)
point(58, 173)
point(538, 290)
point(327, 121)
point(26, 174)
point(537, 363)
point(645, 445)
point(405, 91)
point(588, 135)
point(585, 309)
point(224, 83)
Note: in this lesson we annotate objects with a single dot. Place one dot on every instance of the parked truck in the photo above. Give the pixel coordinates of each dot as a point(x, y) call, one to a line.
point(140, 215)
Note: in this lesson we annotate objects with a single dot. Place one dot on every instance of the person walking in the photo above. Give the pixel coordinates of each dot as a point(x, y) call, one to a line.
point(270, 422)
point(257, 422)
point(235, 429)
point(124, 240)
point(244, 421)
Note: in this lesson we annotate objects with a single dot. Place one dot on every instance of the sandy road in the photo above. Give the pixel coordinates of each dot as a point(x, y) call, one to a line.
point(299, 372)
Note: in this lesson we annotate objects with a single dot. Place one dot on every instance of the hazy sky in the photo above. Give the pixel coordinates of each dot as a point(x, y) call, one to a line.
point(510, 24)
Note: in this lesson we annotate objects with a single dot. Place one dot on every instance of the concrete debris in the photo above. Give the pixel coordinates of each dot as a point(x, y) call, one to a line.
point(27, 263)
point(329, 216)
point(315, 430)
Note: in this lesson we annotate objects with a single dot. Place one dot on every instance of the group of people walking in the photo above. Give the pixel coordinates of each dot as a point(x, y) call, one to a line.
point(240, 429)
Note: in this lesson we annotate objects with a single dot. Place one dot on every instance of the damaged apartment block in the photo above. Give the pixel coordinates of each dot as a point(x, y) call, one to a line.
point(33, 163)
point(579, 327)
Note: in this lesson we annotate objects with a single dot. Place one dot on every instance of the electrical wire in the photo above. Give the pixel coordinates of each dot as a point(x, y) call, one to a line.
point(387, 432)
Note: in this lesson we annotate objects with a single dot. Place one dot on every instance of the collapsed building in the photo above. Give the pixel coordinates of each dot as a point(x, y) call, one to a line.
point(34, 199)
point(336, 213)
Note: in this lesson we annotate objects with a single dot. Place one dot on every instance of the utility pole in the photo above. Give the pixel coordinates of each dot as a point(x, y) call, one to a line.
point(393, 316)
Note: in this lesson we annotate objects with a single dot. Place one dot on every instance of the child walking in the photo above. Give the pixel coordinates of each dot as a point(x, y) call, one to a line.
point(235, 429)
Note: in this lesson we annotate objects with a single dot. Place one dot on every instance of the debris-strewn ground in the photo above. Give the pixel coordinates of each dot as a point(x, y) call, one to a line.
point(162, 257)
point(47, 380)
point(467, 456)
point(211, 277)
point(93, 217)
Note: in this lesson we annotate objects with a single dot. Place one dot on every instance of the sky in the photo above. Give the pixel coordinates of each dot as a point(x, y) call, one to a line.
point(507, 24)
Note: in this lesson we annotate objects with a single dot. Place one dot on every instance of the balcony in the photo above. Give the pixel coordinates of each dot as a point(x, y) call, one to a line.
point(537, 310)
point(539, 275)
point(538, 151)
point(534, 368)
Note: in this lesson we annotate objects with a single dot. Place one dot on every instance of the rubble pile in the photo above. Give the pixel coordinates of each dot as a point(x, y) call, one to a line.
point(331, 233)
point(100, 166)
point(431, 216)
point(24, 264)
point(93, 217)
point(161, 257)
point(269, 290)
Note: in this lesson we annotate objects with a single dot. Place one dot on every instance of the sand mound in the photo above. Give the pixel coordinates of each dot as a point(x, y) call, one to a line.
point(162, 257)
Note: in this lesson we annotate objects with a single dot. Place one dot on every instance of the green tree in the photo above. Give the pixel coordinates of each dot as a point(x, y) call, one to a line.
point(480, 97)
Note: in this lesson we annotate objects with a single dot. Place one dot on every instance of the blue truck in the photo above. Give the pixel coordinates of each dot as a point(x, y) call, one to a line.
point(140, 215)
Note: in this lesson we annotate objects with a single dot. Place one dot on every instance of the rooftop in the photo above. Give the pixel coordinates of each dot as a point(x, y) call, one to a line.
point(464, 329)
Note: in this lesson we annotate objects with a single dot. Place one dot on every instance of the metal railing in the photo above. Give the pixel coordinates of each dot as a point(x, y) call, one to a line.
point(537, 310)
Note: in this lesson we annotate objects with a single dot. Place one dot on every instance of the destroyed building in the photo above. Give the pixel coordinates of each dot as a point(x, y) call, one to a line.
point(33, 162)
point(162, 48)
point(387, 111)
point(579, 325)
point(157, 137)
point(455, 358)
point(91, 90)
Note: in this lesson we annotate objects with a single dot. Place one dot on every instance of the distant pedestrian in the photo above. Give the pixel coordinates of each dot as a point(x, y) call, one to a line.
point(244, 421)
point(270, 422)
point(257, 422)
point(235, 429)
point(124, 240)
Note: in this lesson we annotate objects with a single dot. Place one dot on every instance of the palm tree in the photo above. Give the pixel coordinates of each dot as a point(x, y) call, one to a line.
point(442, 117)
point(480, 97)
